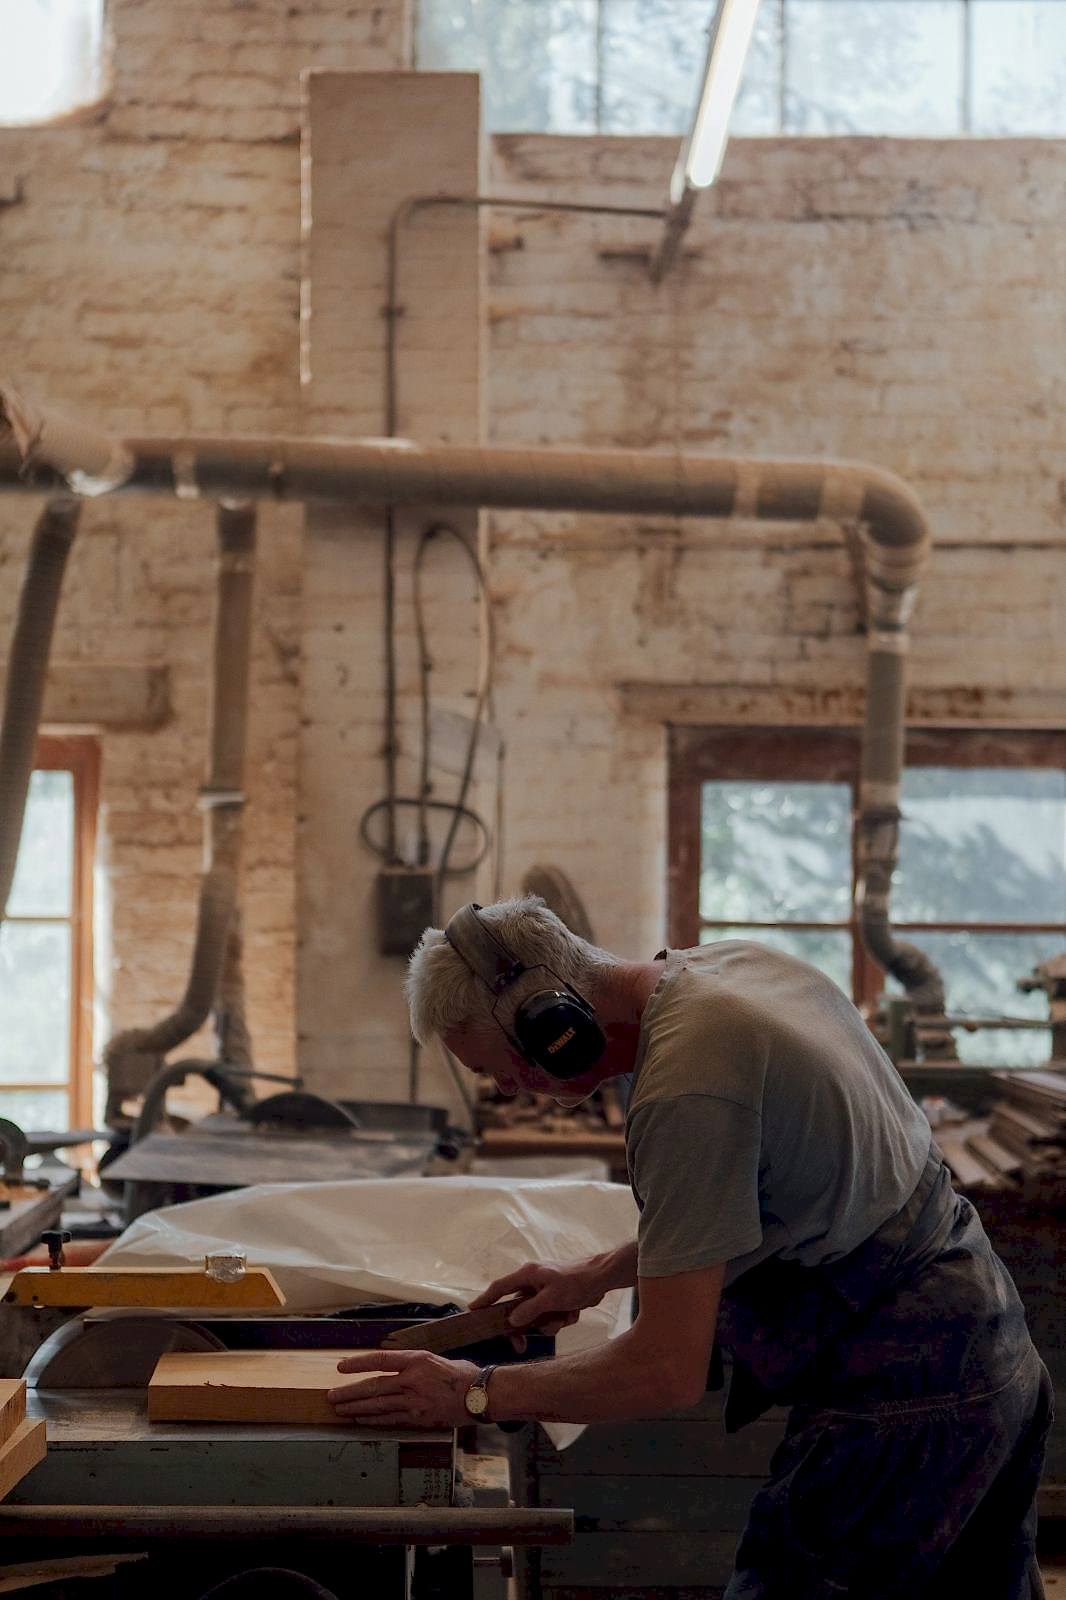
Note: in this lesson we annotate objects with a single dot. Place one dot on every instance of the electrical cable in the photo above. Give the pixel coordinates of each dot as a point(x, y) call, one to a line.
point(435, 805)
point(484, 690)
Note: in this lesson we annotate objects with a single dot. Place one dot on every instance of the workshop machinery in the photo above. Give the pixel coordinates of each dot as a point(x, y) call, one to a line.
point(292, 1136)
point(208, 1499)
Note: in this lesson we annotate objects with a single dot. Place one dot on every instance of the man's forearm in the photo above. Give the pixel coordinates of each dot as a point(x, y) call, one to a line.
point(615, 1269)
point(617, 1382)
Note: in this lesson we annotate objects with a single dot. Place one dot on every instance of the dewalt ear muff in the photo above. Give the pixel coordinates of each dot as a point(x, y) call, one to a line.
point(554, 1028)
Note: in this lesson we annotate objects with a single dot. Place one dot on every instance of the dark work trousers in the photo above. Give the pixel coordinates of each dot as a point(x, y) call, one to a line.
point(915, 1442)
point(921, 1500)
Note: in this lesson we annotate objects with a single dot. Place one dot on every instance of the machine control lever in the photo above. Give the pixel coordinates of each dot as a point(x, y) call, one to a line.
point(55, 1239)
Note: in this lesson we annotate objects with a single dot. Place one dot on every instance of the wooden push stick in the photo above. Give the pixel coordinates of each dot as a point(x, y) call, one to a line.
point(452, 1333)
point(174, 1288)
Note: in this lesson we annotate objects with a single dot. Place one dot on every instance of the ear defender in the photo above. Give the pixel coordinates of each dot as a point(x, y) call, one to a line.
point(555, 1029)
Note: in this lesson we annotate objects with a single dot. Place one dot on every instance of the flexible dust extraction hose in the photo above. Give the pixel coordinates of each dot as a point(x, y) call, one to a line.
point(135, 1057)
point(887, 518)
point(27, 669)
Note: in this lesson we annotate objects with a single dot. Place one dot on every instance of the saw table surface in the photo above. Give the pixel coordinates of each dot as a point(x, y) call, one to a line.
point(245, 1156)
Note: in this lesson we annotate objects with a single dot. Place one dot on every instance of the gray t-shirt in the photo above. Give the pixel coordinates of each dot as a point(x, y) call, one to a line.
point(764, 1118)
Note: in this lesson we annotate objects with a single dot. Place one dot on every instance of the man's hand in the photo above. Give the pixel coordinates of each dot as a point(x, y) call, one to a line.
point(552, 1296)
point(414, 1389)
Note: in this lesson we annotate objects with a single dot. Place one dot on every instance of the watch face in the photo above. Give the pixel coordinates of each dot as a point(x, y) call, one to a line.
point(477, 1400)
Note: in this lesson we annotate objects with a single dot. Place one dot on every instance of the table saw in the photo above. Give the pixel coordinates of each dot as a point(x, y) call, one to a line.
point(208, 1499)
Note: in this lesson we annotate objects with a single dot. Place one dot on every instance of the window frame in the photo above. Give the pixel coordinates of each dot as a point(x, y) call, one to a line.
point(78, 754)
point(831, 755)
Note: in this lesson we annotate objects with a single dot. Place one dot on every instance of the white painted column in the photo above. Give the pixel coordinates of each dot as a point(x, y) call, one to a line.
point(371, 141)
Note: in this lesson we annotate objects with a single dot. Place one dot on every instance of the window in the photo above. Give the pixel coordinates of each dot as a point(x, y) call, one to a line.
point(46, 978)
point(50, 59)
point(762, 847)
point(920, 67)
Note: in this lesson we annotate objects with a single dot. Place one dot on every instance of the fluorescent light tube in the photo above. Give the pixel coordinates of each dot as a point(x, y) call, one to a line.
point(727, 52)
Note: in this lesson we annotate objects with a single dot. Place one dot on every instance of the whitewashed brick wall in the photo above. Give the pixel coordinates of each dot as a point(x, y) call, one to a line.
point(896, 302)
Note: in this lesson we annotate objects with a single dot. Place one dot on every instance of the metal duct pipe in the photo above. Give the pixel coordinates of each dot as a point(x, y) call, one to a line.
point(889, 520)
point(223, 791)
point(27, 669)
point(135, 1057)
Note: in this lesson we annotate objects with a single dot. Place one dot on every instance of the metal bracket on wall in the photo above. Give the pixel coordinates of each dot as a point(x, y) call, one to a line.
point(13, 195)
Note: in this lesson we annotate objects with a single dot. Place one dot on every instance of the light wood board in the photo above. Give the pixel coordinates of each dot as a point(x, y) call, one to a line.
point(276, 1386)
point(28, 1575)
point(256, 1290)
point(20, 1454)
point(12, 1406)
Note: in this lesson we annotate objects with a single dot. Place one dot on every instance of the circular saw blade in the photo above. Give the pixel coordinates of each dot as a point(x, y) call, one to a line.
point(112, 1352)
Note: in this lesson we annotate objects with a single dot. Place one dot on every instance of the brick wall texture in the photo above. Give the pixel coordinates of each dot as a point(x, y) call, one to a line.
point(898, 302)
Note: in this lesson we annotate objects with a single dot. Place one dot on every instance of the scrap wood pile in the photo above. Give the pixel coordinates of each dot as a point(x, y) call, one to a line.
point(1021, 1145)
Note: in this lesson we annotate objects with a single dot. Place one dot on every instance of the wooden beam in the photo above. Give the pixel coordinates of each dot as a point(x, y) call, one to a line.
point(106, 694)
point(842, 706)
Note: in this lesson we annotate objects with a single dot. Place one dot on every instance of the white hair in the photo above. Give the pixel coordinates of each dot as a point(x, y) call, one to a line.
point(442, 992)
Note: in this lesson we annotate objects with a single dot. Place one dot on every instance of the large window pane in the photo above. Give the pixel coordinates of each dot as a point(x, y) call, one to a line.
point(34, 1002)
point(36, 1109)
point(982, 845)
point(829, 949)
point(1019, 66)
point(653, 55)
point(777, 852)
point(873, 66)
point(758, 104)
point(44, 873)
point(538, 62)
point(981, 973)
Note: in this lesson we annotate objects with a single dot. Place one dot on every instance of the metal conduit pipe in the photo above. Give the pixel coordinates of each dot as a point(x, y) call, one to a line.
point(223, 792)
point(134, 1059)
point(27, 669)
point(888, 518)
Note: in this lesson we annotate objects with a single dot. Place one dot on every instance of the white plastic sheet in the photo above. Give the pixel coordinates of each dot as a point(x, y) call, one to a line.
point(434, 1239)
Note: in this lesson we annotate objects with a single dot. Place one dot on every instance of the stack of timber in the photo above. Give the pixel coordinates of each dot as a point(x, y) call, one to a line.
point(22, 1442)
point(1021, 1146)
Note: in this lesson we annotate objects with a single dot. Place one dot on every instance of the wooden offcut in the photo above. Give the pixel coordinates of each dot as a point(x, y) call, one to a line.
point(12, 1406)
point(255, 1290)
point(20, 1454)
point(276, 1386)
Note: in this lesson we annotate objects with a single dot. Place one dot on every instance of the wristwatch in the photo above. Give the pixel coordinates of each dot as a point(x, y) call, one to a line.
point(476, 1398)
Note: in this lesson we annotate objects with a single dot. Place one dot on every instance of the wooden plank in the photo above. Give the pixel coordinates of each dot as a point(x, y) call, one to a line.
point(12, 1406)
point(277, 1386)
point(965, 1167)
point(255, 1290)
point(29, 1574)
point(22, 1452)
point(993, 1155)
